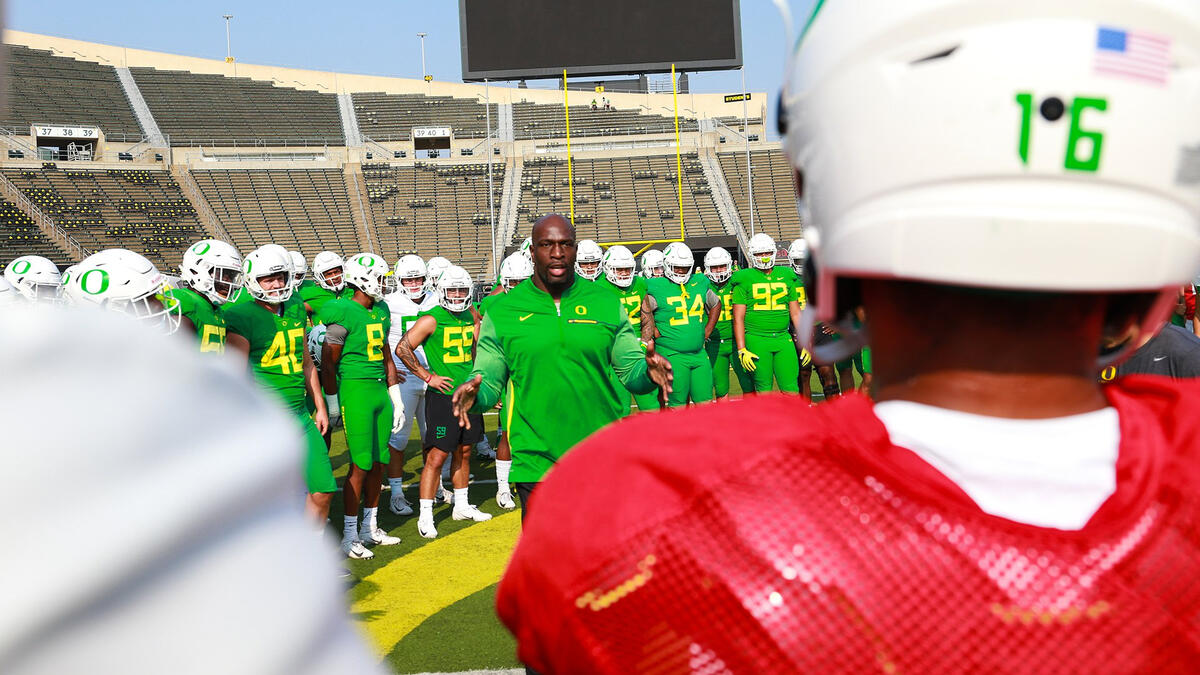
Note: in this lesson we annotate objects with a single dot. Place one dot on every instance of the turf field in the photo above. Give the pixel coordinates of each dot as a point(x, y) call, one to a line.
point(428, 605)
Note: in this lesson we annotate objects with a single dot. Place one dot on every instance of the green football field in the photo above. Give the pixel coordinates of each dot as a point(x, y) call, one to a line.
point(428, 605)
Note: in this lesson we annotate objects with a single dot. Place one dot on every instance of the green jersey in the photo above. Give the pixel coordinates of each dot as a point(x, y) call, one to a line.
point(680, 312)
point(207, 318)
point(724, 291)
point(766, 296)
point(277, 343)
point(631, 298)
point(488, 301)
point(366, 345)
point(554, 366)
point(315, 296)
point(449, 347)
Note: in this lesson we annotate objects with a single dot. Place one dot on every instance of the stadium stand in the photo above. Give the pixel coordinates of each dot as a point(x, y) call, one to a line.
point(392, 116)
point(141, 210)
point(774, 201)
point(622, 198)
point(301, 209)
point(434, 208)
point(535, 120)
point(193, 109)
point(21, 236)
point(48, 89)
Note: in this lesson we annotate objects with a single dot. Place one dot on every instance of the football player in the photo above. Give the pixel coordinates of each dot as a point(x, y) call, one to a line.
point(299, 269)
point(1021, 186)
point(447, 332)
point(652, 264)
point(797, 254)
point(211, 276)
point(433, 272)
point(765, 306)
point(630, 289)
point(361, 381)
point(679, 314)
point(718, 267)
point(122, 281)
point(588, 257)
point(269, 331)
point(35, 278)
point(325, 285)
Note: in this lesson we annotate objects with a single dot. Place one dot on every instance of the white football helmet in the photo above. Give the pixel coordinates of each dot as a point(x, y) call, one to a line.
point(718, 265)
point(325, 263)
point(678, 262)
point(454, 278)
point(299, 268)
point(316, 341)
point(412, 267)
point(213, 268)
point(798, 254)
point(619, 266)
point(367, 272)
point(527, 248)
point(515, 269)
point(1046, 163)
point(434, 269)
point(761, 251)
point(263, 262)
point(119, 280)
point(588, 257)
point(652, 263)
point(35, 278)
point(8, 294)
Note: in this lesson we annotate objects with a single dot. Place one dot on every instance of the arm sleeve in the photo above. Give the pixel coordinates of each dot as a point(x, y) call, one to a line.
point(711, 299)
point(335, 334)
point(490, 363)
point(628, 359)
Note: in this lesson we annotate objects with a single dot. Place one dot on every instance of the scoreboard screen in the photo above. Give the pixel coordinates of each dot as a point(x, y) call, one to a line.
point(530, 39)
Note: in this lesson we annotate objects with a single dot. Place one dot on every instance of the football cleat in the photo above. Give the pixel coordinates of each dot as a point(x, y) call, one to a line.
point(355, 549)
point(425, 526)
point(470, 512)
point(400, 505)
point(504, 499)
point(378, 538)
point(443, 496)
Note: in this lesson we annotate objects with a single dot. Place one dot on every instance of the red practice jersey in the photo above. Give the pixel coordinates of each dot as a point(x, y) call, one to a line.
point(764, 536)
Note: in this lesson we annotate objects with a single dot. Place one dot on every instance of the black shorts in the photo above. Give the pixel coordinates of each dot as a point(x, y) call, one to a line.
point(441, 426)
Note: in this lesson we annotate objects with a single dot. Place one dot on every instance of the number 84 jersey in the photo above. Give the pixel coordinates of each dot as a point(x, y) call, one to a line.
point(366, 343)
point(766, 296)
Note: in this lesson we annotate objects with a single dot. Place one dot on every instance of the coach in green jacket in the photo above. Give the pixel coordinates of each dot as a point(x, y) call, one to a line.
point(548, 348)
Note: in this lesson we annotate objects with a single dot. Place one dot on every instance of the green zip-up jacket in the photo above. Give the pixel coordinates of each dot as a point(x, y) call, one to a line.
point(554, 368)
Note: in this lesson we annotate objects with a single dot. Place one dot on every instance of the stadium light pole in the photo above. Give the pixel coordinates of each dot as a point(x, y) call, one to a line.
point(228, 44)
point(746, 137)
point(422, 36)
point(487, 108)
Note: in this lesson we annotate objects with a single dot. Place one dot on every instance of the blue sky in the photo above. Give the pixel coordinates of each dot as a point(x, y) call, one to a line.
point(374, 37)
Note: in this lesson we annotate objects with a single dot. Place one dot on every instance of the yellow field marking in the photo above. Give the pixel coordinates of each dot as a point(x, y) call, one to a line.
point(416, 586)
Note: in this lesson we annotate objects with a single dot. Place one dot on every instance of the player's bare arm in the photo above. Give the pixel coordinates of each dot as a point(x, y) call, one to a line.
point(714, 314)
point(390, 371)
point(739, 326)
point(187, 328)
point(649, 330)
point(331, 355)
point(406, 350)
point(239, 343)
point(313, 385)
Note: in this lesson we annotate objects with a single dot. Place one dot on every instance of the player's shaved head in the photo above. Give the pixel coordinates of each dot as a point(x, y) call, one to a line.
point(553, 254)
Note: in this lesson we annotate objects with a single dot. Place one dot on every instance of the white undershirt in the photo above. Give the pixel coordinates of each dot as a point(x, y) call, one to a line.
point(1050, 472)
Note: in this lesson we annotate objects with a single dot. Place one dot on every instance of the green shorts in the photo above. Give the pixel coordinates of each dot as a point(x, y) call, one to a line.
point(862, 361)
point(722, 357)
point(693, 377)
point(318, 472)
point(777, 361)
point(367, 420)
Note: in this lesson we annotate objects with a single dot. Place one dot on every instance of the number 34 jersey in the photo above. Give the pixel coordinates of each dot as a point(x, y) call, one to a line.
point(680, 311)
point(766, 296)
point(366, 343)
point(277, 344)
point(449, 347)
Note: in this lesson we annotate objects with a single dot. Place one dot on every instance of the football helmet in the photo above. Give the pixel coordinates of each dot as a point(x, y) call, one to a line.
point(263, 262)
point(527, 248)
point(433, 270)
point(619, 266)
point(716, 259)
point(412, 267)
point(652, 263)
point(119, 280)
point(515, 269)
point(678, 262)
point(35, 278)
point(454, 278)
point(587, 259)
point(797, 255)
point(213, 269)
point(1068, 177)
point(761, 251)
point(8, 294)
point(299, 268)
point(316, 341)
point(324, 264)
point(367, 272)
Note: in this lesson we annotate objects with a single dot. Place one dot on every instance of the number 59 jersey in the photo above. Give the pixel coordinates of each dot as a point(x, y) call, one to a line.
point(766, 296)
point(366, 344)
point(277, 344)
point(449, 347)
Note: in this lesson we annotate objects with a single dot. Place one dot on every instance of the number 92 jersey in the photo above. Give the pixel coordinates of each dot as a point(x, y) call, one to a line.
point(276, 346)
point(366, 343)
point(766, 296)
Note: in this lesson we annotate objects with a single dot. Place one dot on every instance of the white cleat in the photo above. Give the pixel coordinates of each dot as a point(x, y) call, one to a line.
point(378, 538)
point(400, 505)
point(425, 527)
point(505, 500)
point(354, 548)
point(443, 496)
point(469, 512)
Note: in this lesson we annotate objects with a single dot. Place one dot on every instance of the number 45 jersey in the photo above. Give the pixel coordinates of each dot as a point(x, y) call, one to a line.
point(449, 347)
point(277, 345)
point(366, 343)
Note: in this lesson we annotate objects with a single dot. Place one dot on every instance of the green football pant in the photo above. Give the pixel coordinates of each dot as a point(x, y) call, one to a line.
point(693, 378)
point(720, 355)
point(367, 420)
point(647, 402)
point(777, 359)
point(318, 473)
point(862, 361)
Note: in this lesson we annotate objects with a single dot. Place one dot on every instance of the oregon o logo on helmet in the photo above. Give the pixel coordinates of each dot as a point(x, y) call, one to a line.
point(196, 249)
point(83, 281)
point(22, 266)
point(248, 265)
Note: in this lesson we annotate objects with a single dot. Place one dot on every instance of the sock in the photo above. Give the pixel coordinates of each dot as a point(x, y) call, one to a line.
point(426, 507)
point(503, 466)
point(460, 497)
point(368, 522)
point(397, 485)
point(350, 528)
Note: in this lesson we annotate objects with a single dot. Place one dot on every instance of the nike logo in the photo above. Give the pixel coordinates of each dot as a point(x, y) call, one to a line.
point(522, 318)
point(1159, 358)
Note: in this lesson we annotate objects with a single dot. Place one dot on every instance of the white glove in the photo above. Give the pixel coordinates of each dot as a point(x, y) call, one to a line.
point(397, 408)
point(333, 408)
